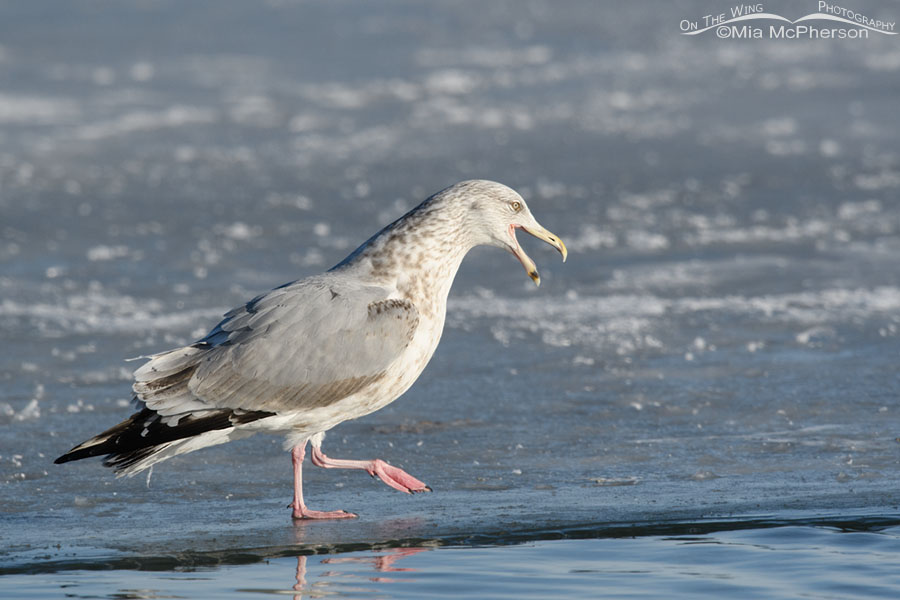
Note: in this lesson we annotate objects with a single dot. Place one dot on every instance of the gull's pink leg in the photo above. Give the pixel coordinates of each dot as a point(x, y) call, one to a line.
point(394, 477)
point(299, 507)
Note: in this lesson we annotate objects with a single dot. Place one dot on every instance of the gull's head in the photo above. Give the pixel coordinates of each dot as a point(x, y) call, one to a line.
point(493, 213)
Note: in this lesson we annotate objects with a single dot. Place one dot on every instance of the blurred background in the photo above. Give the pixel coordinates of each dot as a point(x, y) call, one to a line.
point(723, 339)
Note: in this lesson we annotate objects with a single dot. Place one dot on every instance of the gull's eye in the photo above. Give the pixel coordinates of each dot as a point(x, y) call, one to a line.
point(516, 206)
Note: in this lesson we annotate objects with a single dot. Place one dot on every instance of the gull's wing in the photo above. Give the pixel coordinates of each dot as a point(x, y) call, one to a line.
point(305, 345)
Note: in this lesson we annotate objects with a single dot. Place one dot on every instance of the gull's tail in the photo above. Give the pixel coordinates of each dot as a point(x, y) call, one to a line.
point(144, 439)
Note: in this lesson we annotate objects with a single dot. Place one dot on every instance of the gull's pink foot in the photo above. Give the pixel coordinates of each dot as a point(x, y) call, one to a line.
point(396, 478)
point(305, 513)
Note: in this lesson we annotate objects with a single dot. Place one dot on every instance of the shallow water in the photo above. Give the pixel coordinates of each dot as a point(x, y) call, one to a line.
point(690, 561)
point(721, 344)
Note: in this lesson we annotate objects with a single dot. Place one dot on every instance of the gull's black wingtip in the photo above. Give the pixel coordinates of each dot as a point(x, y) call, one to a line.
point(77, 453)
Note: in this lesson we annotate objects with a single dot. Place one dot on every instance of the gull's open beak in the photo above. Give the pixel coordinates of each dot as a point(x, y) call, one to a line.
point(541, 234)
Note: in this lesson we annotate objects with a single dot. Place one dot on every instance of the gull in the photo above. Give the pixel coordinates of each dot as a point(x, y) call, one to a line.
point(308, 355)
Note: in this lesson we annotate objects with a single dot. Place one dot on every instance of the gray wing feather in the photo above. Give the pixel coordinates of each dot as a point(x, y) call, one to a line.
point(305, 345)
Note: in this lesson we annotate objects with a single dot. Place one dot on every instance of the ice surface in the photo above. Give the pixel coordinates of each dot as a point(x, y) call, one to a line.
point(722, 342)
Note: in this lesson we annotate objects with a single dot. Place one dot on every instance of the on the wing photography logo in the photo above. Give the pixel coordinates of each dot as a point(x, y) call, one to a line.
point(748, 21)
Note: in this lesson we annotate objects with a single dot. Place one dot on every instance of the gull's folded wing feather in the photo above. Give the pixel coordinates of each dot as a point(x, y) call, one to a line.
point(305, 345)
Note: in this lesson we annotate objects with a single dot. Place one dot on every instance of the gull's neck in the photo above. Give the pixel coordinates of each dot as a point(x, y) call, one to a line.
point(418, 254)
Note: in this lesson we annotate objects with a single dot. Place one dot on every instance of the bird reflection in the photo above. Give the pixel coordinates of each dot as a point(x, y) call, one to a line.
point(300, 586)
point(381, 561)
